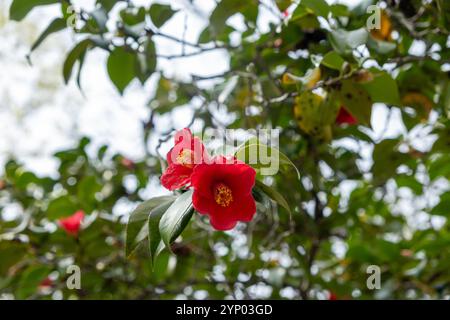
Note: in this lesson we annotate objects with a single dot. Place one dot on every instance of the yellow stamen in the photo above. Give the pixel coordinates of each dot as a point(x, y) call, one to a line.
point(185, 158)
point(223, 195)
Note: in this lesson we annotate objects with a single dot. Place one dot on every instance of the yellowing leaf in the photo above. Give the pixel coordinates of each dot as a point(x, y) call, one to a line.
point(384, 33)
point(315, 115)
point(312, 78)
point(356, 99)
point(421, 103)
point(288, 79)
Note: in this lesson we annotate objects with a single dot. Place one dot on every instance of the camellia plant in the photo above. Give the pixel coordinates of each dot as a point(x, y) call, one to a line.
point(221, 187)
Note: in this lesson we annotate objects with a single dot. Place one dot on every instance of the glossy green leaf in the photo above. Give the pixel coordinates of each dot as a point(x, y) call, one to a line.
point(262, 157)
point(138, 221)
point(154, 237)
point(176, 218)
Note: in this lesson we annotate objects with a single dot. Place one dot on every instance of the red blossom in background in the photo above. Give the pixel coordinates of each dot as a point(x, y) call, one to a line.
point(188, 152)
point(46, 283)
point(345, 117)
point(127, 163)
point(332, 296)
point(223, 191)
point(72, 223)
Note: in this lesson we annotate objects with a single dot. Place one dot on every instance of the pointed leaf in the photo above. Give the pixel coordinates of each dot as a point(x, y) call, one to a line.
point(56, 25)
point(138, 219)
point(176, 218)
point(263, 157)
point(75, 54)
point(154, 237)
point(121, 67)
point(160, 14)
point(274, 195)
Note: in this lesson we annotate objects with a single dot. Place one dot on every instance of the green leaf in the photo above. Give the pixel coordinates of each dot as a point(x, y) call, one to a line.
point(61, 207)
point(146, 62)
point(443, 207)
point(356, 100)
point(274, 195)
point(10, 254)
point(345, 41)
point(283, 4)
point(154, 237)
point(319, 7)
point(224, 10)
point(262, 157)
point(382, 88)
point(382, 47)
point(86, 190)
point(76, 54)
point(176, 218)
point(30, 280)
point(138, 220)
point(410, 182)
point(339, 10)
point(160, 14)
point(107, 4)
point(56, 25)
point(121, 67)
point(132, 16)
point(386, 159)
point(333, 60)
point(20, 8)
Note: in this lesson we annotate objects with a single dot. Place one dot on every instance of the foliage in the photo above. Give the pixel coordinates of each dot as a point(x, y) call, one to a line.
point(311, 236)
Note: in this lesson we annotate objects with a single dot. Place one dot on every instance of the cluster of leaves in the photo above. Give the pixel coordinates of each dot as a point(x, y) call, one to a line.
point(314, 59)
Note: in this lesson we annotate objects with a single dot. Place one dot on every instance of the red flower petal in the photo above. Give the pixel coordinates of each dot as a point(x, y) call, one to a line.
point(345, 117)
point(222, 223)
point(72, 223)
point(46, 283)
point(246, 209)
point(187, 152)
point(222, 190)
point(176, 177)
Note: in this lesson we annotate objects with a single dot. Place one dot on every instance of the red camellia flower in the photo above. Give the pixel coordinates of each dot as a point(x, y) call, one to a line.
point(187, 153)
point(72, 223)
point(345, 117)
point(223, 191)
